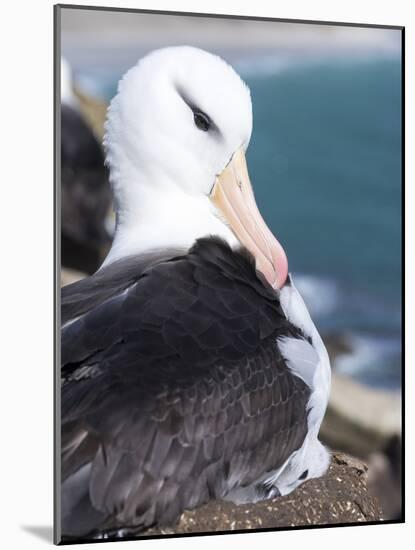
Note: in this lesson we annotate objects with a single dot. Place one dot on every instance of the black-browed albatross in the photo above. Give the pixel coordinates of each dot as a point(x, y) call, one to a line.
point(85, 188)
point(191, 368)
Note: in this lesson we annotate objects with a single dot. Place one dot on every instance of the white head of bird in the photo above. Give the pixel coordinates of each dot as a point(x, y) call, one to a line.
point(175, 140)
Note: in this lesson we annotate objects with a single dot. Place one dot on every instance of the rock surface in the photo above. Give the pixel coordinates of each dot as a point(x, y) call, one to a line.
point(341, 496)
point(69, 276)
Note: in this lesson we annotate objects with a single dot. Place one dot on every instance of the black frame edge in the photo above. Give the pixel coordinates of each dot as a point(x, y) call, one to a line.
point(227, 16)
point(56, 275)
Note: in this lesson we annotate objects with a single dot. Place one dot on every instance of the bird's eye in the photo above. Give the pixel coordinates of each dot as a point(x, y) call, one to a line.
point(202, 121)
point(303, 475)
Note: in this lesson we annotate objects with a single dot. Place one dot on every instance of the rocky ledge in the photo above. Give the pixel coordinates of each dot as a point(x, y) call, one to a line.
point(341, 496)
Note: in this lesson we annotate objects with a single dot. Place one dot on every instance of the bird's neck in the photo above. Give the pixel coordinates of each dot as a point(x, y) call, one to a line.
point(163, 217)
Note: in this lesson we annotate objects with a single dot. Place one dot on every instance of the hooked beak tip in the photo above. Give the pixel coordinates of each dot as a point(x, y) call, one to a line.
point(233, 196)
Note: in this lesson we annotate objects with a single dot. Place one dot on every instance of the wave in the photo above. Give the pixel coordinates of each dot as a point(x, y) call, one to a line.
point(369, 331)
point(372, 360)
point(262, 66)
point(277, 63)
point(322, 296)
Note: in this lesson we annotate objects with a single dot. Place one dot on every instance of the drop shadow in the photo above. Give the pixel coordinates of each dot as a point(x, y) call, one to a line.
point(43, 532)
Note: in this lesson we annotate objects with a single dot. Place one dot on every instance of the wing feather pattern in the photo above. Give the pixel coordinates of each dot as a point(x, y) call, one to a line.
point(174, 390)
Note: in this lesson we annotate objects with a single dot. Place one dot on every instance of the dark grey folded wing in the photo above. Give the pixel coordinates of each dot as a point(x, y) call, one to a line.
point(174, 392)
point(109, 281)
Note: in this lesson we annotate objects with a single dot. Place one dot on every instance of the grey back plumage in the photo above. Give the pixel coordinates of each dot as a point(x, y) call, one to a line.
point(111, 280)
point(174, 390)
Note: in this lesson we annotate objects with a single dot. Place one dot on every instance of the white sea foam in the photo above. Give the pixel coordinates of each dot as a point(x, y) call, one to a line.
point(369, 355)
point(374, 356)
point(262, 65)
point(321, 295)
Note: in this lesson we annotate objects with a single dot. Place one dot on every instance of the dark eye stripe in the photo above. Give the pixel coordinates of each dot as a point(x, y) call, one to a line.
point(198, 115)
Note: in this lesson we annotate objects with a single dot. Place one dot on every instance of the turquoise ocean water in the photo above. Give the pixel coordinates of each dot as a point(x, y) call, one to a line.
point(325, 161)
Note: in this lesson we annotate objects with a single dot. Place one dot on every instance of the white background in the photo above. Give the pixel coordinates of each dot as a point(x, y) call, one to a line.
point(26, 232)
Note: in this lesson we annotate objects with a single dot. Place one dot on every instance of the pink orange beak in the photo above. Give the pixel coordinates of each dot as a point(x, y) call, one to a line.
point(233, 197)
